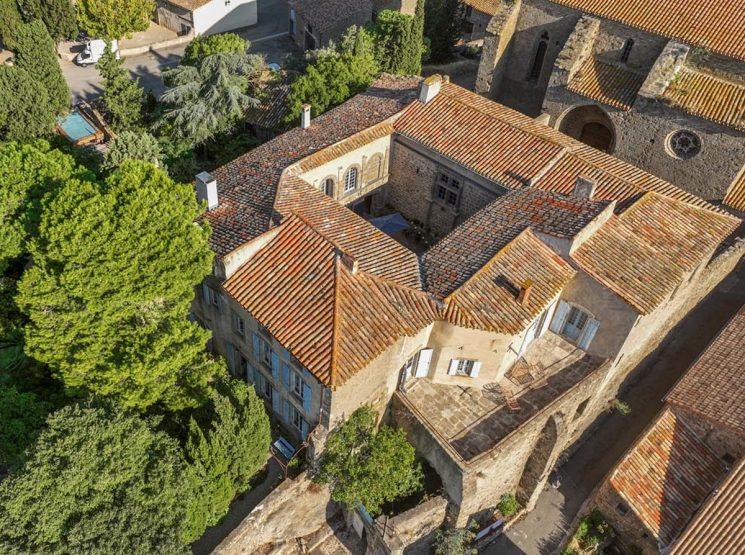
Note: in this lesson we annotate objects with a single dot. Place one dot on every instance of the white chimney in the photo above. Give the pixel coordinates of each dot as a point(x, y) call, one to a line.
point(584, 187)
point(430, 87)
point(207, 190)
point(305, 117)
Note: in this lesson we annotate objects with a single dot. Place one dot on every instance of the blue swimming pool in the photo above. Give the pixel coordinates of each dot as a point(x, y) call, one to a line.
point(75, 126)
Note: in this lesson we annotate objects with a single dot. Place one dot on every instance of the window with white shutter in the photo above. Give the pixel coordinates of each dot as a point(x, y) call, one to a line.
point(464, 367)
point(422, 363)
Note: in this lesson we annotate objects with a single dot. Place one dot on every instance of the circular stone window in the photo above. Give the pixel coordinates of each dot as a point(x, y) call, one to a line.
point(684, 144)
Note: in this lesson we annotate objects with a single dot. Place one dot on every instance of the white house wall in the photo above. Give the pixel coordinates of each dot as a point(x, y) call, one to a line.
point(220, 16)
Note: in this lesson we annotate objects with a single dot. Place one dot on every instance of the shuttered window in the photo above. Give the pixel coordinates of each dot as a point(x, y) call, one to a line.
point(464, 367)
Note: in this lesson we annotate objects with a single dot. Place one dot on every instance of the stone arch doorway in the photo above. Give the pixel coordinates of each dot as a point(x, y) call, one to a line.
point(590, 125)
point(537, 467)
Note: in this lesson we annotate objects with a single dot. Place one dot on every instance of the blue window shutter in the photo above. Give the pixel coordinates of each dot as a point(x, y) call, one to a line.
point(287, 411)
point(206, 294)
point(256, 347)
point(276, 401)
point(231, 357)
point(275, 365)
point(560, 316)
point(307, 393)
point(304, 431)
point(286, 376)
point(588, 334)
point(254, 375)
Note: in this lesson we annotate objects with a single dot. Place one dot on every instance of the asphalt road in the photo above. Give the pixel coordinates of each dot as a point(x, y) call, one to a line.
point(268, 37)
point(540, 532)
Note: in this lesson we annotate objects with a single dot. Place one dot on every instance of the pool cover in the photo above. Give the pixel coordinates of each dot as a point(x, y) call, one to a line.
point(75, 126)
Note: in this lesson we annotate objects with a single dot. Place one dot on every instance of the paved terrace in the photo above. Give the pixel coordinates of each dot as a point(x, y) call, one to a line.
point(472, 420)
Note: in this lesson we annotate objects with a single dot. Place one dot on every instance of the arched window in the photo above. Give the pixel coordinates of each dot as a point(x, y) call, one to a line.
point(626, 52)
point(540, 57)
point(350, 179)
point(373, 169)
point(328, 186)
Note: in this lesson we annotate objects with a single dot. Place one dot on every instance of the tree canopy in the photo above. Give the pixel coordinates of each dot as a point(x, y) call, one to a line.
point(114, 19)
point(201, 47)
point(22, 415)
point(335, 75)
point(132, 145)
point(115, 267)
point(444, 20)
point(97, 481)
point(225, 452)
point(25, 111)
point(35, 53)
point(363, 464)
point(392, 32)
point(10, 21)
point(57, 15)
point(122, 95)
point(28, 172)
point(210, 98)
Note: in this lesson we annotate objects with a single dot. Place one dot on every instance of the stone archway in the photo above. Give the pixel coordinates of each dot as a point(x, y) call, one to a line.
point(537, 467)
point(590, 125)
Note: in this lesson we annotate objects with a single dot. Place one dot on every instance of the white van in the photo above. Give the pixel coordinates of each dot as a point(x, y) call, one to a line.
point(94, 49)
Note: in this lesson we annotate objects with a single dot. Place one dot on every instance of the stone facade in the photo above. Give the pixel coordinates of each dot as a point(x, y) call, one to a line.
point(518, 71)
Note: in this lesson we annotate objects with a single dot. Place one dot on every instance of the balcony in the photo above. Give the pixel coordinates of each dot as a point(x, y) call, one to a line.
point(471, 421)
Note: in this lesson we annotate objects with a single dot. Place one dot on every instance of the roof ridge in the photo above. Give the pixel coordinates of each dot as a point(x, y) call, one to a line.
point(702, 72)
point(335, 335)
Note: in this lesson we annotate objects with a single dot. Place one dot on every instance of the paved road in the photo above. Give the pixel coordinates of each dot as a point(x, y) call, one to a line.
point(268, 37)
point(541, 531)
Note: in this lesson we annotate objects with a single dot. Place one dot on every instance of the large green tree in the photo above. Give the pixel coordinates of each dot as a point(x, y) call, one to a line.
point(35, 53)
point(210, 98)
point(22, 415)
point(367, 465)
point(392, 32)
point(114, 19)
point(57, 15)
point(115, 267)
point(201, 47)
point(415, 43)
point(444, 24)
point(25, 111)
point(28, 172)
point(97, 481)
point(225, 452)
point(122, 95)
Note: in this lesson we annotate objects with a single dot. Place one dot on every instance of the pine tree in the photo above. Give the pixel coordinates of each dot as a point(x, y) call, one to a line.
point(132, 145)
point(57, 15)
point(446, 30)
point(36, 54)
point(122, 95)
point(201, 47)
point(25, 111)
point(392, 31)
point(98, 480)
point(115, 269)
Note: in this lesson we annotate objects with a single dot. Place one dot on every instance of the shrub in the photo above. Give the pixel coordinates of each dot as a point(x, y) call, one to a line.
point(508, 505)
point(621, 407)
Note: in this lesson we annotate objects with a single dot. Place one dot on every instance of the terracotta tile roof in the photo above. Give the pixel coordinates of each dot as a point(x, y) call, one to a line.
point(247, 186)
point(643, 254)
point(735, 197)
point(461, 253)
point(713, 24)
point(376, 252)
point(458, 123)
point(713, 386)
point(324, 15)
point(332, 319)
point(270, 113)
point(611, 84)
point(719, 527)
point(708, 97)
point(666, 476)
point(489, 299)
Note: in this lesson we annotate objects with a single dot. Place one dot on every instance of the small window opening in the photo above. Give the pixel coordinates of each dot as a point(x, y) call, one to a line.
point(626, 52)
point(540, 57)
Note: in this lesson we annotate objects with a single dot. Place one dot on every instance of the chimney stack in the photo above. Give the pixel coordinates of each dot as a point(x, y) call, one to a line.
point(584, 187)
point(305, 117)
point(524, 296)
point(207, 190)
point(429, 89)
point(351, 263)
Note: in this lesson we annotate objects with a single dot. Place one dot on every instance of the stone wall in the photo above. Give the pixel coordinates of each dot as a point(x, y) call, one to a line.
point(295, 509)
point(496, 47)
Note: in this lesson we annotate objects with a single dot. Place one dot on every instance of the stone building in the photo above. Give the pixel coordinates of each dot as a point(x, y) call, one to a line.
point(205, 17)
point(680, 489)
point(313, 23)
point(559, 268)
point(660, 84)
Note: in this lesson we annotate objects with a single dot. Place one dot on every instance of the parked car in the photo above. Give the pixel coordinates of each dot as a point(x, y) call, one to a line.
point(94, 49)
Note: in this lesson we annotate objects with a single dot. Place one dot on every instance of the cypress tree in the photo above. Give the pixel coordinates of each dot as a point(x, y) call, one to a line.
point(36, 54)
point(446, 30)
point(122, 95)
point(10, 21)
point(25, 111)
point(414, 46)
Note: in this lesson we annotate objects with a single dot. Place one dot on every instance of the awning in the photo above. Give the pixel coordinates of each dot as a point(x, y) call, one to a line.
point(392, 223)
